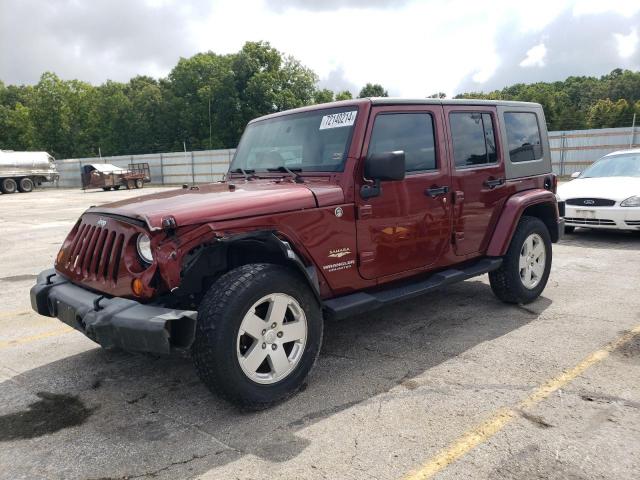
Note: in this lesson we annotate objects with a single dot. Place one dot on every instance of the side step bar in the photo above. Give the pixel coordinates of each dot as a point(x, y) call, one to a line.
point(360, 302)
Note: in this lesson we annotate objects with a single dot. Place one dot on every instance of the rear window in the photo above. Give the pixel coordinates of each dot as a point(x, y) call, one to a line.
point(474, 141)
point(523, 136)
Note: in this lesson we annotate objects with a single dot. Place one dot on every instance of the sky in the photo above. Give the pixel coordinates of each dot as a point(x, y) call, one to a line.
point(414, 48)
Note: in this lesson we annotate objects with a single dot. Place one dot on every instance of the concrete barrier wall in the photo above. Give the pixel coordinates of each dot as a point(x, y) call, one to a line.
point(173, 168)
point(571, 151)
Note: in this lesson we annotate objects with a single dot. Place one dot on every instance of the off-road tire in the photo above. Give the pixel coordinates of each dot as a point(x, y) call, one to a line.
point(139, 183)
point(25, 185)
point(219, 318)
point(569, 229)
point(8, 185)
point(505, 281)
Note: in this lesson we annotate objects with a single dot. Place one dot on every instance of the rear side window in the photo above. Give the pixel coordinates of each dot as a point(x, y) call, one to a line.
point(473, 137)
point(410, 132)
point(523, 135)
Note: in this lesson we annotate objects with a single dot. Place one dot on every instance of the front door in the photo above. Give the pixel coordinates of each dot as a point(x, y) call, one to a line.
point(407, 226)
point(478, 176)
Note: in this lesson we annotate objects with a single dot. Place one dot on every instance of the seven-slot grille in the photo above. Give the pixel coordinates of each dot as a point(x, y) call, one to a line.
point(95, 253)
point(591, 202)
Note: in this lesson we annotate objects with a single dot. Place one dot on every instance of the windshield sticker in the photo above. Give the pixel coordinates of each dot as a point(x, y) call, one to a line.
point(343, 119)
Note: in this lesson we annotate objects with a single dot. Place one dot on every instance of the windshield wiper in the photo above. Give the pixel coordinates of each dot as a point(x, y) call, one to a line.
point(296, 177)
point(248, 174)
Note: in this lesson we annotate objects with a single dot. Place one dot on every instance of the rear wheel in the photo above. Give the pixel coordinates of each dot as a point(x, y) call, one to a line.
point(8, 185)
point(25, 185)
point(258, 335)
point(525, 268)
point(139, 183)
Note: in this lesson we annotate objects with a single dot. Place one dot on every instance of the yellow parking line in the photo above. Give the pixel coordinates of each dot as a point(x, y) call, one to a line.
point(483, 432)
point(34, 338)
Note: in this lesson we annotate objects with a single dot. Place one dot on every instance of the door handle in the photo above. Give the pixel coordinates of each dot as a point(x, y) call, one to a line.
point(433, 192)
point(493, 182)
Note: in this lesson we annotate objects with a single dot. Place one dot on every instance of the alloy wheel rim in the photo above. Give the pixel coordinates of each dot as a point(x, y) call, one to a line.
point(271, 338)
point(532, 261)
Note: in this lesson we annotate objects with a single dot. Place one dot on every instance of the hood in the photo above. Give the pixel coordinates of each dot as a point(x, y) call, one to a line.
point(614, 188)
point(219, 201)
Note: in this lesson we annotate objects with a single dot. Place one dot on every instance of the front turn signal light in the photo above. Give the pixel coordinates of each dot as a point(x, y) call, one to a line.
point(59, 256)
point(137, 287)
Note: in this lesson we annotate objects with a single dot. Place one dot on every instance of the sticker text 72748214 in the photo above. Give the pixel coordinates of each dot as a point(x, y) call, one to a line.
point(335, 120)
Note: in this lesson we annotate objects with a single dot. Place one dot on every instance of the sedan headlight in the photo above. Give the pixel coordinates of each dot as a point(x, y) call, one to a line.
point(631, 202)
point(144, 248)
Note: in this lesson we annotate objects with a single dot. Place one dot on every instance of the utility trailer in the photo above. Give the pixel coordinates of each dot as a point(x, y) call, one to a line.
point(23, 171)
point(107, 176)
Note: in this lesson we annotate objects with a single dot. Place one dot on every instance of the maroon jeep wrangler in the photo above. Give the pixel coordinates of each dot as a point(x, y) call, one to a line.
point(326, 212)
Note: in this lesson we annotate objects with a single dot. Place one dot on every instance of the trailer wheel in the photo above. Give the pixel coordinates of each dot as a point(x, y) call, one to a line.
point(25, 185)
point(130, 184)
point(139, 183)
point(8, 185)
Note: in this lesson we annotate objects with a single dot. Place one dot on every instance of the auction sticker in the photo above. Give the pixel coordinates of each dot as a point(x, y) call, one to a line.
point(335, 120)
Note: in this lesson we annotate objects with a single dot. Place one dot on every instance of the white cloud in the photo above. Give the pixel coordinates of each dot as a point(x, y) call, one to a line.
point(535, 56)
point(627, 44)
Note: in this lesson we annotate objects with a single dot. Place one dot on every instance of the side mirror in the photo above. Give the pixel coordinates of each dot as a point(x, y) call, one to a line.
point(381, 167)
point(575, 174)
point(385, 166)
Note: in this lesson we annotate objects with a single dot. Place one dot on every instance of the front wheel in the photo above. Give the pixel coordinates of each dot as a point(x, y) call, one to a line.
point(525, 268)
point(258, 335)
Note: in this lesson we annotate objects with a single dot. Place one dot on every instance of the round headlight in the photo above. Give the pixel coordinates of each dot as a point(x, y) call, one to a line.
point(144, 248)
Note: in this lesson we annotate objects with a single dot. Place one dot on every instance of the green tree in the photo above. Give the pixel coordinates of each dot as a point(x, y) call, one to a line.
point(607, 113)
point(373, 90)
point(344, 95)
point(323, 96)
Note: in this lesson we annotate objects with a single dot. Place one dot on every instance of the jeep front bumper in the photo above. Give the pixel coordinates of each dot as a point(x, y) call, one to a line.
point(111, 321)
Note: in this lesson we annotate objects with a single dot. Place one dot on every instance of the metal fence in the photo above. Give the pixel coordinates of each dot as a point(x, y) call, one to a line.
point(574, 150)
point(571, 151)
point(173, 168)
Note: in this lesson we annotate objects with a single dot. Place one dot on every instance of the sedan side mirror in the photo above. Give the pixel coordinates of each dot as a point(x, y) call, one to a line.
point(385, 166)
point(575, 174)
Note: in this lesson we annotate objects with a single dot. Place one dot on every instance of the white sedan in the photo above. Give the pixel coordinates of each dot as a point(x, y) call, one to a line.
point(605, 195)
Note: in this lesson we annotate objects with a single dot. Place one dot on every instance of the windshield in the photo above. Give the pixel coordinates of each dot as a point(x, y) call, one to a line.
point(315, 141)
point(623, 165)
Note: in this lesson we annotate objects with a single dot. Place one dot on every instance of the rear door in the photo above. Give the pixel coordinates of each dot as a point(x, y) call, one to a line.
point(478, 176)
point(407, 226)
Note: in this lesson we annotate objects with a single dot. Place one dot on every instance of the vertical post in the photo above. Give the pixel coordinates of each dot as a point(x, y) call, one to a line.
point(563, 145)
point(161, 169)
point(633, 131)
point(193, 169)
point(210, 123)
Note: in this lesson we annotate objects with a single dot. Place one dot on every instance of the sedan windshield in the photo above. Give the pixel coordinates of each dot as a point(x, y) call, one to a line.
point(623, 165)
point(315, 141)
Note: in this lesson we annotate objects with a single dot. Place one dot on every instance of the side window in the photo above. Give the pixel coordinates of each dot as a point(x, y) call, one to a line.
point(523, 135)
point(474, 141)
point(410, 132)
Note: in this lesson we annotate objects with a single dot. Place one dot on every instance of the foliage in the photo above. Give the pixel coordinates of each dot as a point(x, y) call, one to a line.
point(373, 90)
point(579, 102)
point(207, 99)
